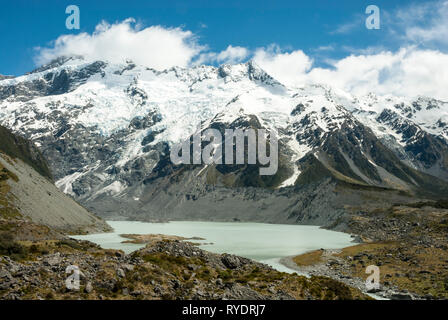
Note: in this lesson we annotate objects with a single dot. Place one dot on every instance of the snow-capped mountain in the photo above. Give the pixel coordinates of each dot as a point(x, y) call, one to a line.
point(107, 130)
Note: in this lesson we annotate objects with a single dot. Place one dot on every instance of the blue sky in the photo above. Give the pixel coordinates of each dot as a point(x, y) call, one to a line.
point(323, 29)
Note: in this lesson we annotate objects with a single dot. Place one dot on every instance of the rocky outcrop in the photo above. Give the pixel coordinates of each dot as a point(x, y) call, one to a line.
point(16, 146)
point(162, 270)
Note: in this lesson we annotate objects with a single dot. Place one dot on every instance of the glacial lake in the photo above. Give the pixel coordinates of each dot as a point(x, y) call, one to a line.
point(267, 243)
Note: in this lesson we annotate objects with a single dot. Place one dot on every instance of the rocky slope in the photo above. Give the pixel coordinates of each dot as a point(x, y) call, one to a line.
point(161, 270)
point(407, 242)
point(35, 252)
point(107, 130)
point(27, 192)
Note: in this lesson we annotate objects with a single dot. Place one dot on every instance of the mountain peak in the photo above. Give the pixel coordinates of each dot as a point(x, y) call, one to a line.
point(56, 62)
point(250, 70)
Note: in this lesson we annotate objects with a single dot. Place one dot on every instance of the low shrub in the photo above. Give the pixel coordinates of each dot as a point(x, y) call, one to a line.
point(11, 248)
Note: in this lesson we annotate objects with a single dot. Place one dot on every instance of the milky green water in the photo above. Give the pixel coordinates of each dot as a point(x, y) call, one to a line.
point(262, 242)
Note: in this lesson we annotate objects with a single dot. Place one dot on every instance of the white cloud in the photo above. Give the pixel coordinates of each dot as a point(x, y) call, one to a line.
point(324, 48)
point(230, 55)
point(409, 71)
point(155, 46)
point(423, 23)
point(348, 27)
point(287, 67)
point(433, 16)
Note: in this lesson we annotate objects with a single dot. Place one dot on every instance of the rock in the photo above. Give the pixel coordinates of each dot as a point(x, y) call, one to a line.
point(120, 273)
point(13, 296)
point(332, 262)
point(53, 260)
point(14, 268)
point(119, 254)
point(128, 267)
point(4, 285)
point(400, 296)
point(89, 287)
point(200, 293)
point(107, 285)
point(5, 274)
point(176, 284)
point(231, 262)
point(192, 266)
point(157, 289)
point(136, 293)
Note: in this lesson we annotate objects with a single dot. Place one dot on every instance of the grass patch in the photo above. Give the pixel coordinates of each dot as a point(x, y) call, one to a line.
point(418, 269)
point(309, 258)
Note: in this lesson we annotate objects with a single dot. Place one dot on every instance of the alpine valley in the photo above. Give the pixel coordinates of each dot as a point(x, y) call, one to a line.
point(373, 166)
point(107, 129)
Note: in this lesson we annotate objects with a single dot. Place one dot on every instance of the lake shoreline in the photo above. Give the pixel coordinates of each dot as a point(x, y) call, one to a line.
point(281, 262)
point(322, 270)
point(257, 241)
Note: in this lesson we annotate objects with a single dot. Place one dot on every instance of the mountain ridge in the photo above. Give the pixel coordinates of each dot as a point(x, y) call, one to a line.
point(107, 130)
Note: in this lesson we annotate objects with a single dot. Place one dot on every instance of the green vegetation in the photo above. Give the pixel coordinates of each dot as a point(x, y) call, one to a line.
point(416, 269)
point(11, 248)
point(71, 244)
point(408, 242)
point(439, 204)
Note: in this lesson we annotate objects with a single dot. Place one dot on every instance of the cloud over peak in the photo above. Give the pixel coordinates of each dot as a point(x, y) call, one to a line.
point(154, 46)
point(408, 71)
point(288, 67)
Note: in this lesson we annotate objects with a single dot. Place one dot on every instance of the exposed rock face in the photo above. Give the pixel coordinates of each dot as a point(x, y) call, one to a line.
point(424, 151)
point(53, 83)
point(2, 77)
point(26, 194)
point(18, 147)
point(107, 131)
